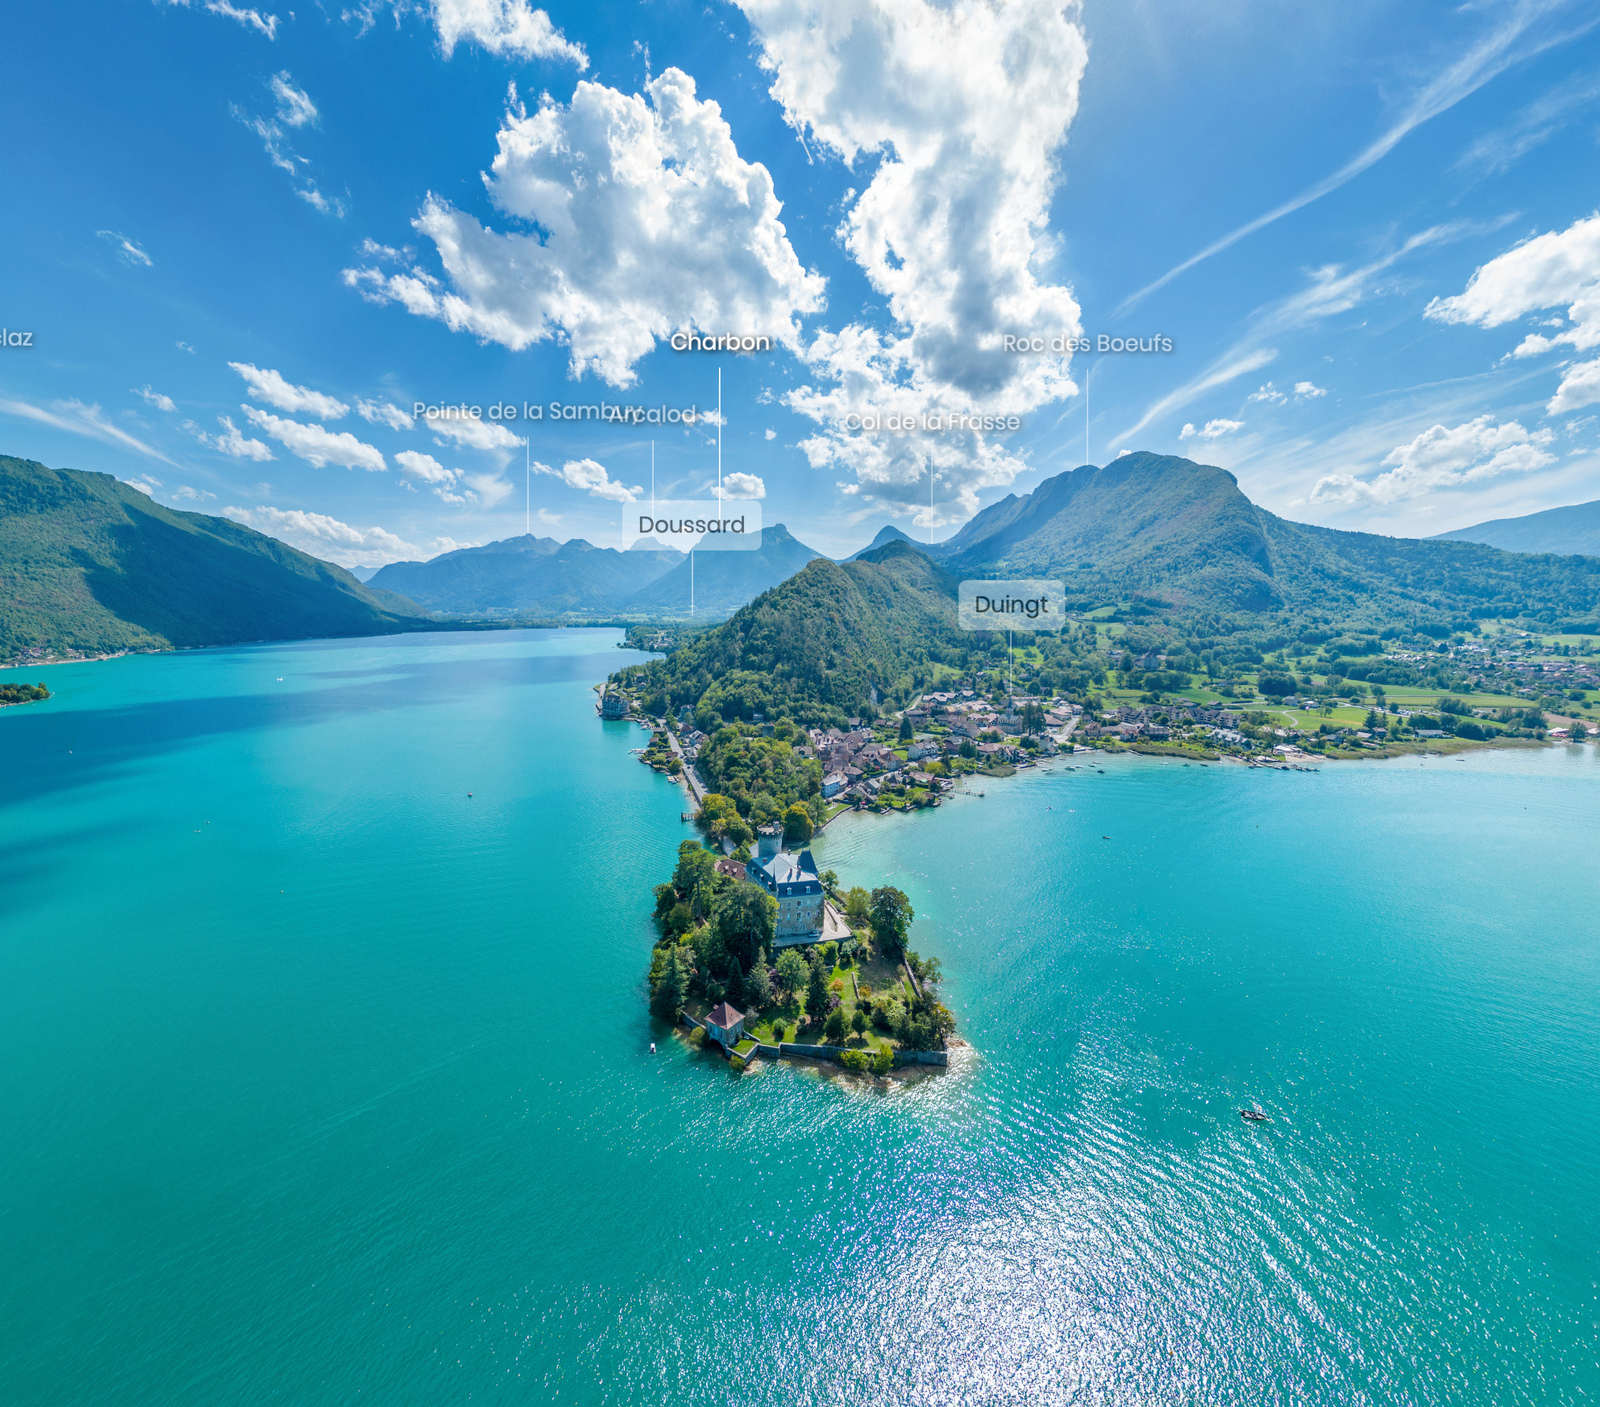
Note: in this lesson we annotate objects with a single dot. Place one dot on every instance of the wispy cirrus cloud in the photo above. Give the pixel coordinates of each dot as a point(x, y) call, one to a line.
point(80, 418)
point(293, 110)
point(266, 25)
point(127, 250)
point(1521, 32)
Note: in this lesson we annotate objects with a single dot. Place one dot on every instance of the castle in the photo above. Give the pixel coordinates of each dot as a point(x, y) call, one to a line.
point(792, 880)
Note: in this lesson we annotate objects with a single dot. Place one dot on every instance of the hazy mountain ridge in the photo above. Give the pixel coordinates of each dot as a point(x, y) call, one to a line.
point(1570, 531)
point(89, 564)
point(527, 574)
point(575, 577)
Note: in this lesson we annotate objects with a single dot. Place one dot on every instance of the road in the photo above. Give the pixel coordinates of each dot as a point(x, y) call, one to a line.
point(696, 790)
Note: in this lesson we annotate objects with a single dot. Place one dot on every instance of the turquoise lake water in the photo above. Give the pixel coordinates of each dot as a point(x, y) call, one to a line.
point(324, 1082)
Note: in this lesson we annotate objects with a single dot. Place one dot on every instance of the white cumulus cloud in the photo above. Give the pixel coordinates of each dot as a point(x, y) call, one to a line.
point(316, 445)
point(1550, 271)
point(590, 476)
point(503, 27)
point(445, 483)
point(383, 413)
point(326, 537)
point(471, 433)
point(1441, 458)
point(961, 111)
point(743, 486)
point(424, 467)
point(1212, 430)
point(267, 385)
point(1308, 390)
point(1268, 393)
point(232, 441)
point(650, 221)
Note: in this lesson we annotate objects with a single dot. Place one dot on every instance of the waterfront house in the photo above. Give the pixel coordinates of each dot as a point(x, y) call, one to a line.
point(726, 1025)
point(833, 784)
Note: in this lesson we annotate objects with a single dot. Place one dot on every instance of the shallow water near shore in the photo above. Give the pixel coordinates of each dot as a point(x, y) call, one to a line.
point(327, 1081)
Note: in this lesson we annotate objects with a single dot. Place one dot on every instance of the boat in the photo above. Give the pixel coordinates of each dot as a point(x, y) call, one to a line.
point(1255, 1116)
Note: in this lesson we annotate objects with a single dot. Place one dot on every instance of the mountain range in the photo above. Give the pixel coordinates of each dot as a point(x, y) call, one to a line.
point(91, 565)
point(543, 576)
point(1186, 533)
point(1567, 531)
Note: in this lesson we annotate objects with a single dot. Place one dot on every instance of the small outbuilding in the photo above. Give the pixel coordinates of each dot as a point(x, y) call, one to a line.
point(725, 1024)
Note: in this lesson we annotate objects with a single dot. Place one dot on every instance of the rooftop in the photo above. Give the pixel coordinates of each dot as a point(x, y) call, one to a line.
point(788, 868)
point(722, 1015)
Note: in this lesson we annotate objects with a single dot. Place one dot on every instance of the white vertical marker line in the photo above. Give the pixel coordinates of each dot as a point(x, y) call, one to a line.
point(527, 487)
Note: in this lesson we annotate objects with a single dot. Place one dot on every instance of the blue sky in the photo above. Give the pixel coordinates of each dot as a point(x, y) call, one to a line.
point(247, 241)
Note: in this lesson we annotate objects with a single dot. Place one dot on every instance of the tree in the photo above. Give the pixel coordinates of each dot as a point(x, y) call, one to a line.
point(891, 918)
point(816, 989)
point(883, 1062)
point(745, 918)
point(696, 864)
point(758, 986)
point(791, 971)
point(907, 732)
point(1032, 719)
point(857, 906)
point(968, 748)
point(834, 1029)
point(858, 1021)
point(830, 883)
point(673, 986)
point(797, 825)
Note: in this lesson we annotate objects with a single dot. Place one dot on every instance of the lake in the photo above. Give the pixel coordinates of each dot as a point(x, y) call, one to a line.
point(327, 1071)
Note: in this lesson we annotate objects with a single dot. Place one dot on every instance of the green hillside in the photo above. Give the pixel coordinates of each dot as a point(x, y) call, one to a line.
point(1574, 529)
point(89, 565)
point(1165, 526)
point(817, 645)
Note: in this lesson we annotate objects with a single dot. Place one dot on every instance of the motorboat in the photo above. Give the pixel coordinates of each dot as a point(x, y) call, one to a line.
point(1255, 1116)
